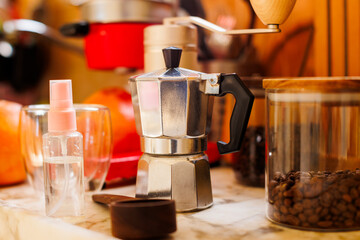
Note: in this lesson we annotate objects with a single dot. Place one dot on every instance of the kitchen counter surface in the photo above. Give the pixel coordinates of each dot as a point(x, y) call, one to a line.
point(238, 213)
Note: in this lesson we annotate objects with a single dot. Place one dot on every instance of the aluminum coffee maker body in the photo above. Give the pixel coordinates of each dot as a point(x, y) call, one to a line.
point(173, 108)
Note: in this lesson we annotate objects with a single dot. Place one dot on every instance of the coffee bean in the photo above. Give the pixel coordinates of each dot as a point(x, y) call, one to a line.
point(343, 189)
point(278, 176)
point(318, 210)
point(349, 223)
point(283, 218)
point(314, 202)
point(320, 199)
point(276, 206)
point(289, 184)
point(338, 224)
point(305, 224)
point(288, 193)
point(287, 202)
point(351, 208)
point(334, 203)
point(331, 179)
point(300, 185)
point(298, 194)
point(284, 210)
point(357, 217)
point(302, 217)
point(336, 195)
point(335, 211)
point(298, 207)
point(292, 220)
point(357, 203)
point(272, 184)
point(347, 198)
point(341, 206)
point(276, 216)
point(348, 215)
point(293, 211)
point(354, 193)
point(307, 203)
point(308, 212)
point(325, 224)
point(324, 212)
point(283, 187)
point(313, 219)
point(326, 199)
point(357, 177)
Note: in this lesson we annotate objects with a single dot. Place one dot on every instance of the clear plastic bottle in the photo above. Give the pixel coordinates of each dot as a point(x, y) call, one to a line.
point(63, 155)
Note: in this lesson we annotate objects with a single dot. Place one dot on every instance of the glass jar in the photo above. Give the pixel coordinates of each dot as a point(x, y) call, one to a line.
point(249, 162)
point(313, 152)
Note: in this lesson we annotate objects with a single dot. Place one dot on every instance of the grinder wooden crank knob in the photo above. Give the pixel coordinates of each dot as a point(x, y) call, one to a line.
point(273, 12)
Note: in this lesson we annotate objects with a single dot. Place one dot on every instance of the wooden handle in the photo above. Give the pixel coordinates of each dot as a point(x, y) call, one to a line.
point(273, 11)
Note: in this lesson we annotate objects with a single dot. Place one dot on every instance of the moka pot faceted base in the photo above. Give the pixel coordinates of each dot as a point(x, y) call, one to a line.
point(183, 178)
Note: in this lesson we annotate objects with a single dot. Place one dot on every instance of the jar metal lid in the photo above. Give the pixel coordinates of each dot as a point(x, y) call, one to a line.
point(313, 83)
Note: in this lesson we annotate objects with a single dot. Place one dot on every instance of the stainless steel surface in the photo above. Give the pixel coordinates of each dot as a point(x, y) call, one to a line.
point(167, 146)
point(158, 37)
point(173, 107)
point(107, 11)
point(173, 110)
point(272, 28)
point(211, 84)
point(183, 178)
point(10, 27)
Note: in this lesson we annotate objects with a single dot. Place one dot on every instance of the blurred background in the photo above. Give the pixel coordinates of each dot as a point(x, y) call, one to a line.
point(320, 38)
point(105, 47)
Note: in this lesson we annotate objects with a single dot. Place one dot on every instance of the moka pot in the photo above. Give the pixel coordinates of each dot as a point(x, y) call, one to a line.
point(173, 108)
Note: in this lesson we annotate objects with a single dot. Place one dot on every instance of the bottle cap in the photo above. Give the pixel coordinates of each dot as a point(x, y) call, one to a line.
point(62, 116)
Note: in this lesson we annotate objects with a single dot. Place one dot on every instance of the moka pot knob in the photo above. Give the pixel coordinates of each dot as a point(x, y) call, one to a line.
point(172, 57)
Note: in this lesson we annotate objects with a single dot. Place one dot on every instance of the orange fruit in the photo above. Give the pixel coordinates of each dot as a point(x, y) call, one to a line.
point(12, 169)
point(125, 138)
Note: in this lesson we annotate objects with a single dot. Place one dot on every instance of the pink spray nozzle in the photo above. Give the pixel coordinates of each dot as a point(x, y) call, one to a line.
point(62, 115)
point(60, 94)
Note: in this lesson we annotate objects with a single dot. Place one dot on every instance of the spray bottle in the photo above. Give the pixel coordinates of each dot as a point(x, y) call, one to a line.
point(63, 155)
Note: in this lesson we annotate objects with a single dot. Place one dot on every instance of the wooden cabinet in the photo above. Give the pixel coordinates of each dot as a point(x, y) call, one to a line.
point(320, 38)
point(337, 37)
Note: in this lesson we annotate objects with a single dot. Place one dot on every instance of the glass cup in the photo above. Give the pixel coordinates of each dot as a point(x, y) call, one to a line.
point(93, 121)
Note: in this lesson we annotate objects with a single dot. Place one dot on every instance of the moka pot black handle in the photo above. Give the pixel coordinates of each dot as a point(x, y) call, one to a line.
point(231, 83)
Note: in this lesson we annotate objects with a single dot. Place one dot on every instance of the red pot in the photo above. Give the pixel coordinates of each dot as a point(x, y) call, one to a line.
point(114, 30)
point(112, 45)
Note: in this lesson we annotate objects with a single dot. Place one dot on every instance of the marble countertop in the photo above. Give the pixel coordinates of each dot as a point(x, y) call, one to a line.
point(238, 213)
